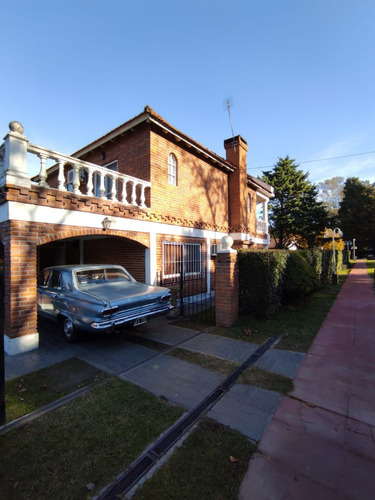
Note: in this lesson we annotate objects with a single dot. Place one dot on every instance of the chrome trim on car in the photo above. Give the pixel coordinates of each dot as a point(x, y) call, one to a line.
point(128, 318)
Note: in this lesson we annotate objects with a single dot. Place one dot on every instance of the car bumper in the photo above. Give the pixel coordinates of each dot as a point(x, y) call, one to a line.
point(130, 316)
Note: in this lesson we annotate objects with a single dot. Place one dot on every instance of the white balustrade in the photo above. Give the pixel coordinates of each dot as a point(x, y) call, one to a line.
point(87, 179)
point(262, 226)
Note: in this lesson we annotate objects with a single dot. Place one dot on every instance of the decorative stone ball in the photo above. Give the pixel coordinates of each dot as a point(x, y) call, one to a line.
point(226, 242)
point(16, 127)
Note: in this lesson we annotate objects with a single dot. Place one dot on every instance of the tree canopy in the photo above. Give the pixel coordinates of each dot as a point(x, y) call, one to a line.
point(296, 217)
point(330, 193)
point(357, 213)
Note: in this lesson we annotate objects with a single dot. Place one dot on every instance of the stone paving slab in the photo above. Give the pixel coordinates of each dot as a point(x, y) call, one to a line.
point(283, 362)
point(111, 354)
point(23, 364)
point(176, 380)
point(247, 409)
point(161, 331)
point(221, 347)
point(117, 360)
point(275, 360)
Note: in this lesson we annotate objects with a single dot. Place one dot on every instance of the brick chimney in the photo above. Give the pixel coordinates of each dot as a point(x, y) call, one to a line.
point(236, 152)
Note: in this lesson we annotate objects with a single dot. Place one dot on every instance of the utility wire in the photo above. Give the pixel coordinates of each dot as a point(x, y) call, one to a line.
point(321, 159)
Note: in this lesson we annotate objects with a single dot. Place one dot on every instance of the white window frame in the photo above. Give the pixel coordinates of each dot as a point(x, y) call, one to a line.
point(172, 170)
point(260, 215)
point(215, 247)
point(175, 254)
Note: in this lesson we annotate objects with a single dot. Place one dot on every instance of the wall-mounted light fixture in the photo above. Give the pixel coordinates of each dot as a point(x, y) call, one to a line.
point(106, 223)
point(102, 155)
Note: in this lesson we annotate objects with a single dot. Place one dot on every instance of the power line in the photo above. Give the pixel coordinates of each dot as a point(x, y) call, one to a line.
point(322, 159)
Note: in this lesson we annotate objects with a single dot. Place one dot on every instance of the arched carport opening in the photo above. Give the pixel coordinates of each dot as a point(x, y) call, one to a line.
point(95, 249)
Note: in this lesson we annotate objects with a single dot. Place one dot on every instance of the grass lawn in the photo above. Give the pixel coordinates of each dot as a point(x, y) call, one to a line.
point(30, 392)
point(296, 324)
point(90, 440)
point(209, 465)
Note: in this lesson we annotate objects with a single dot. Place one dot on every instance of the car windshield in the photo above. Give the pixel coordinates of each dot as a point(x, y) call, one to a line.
point(89, 277)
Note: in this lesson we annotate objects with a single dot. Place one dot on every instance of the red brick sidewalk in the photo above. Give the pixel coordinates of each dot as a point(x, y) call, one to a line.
point(320, 444)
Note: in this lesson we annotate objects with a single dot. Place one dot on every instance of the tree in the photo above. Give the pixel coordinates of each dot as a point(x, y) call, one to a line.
point(357, 213)
point(331, 194)
point(295, 214)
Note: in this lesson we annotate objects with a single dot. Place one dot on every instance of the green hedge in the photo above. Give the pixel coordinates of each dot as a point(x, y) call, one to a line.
point(261, 276)
point(269, 277)
point(301, 279)
point(315, 257)
point(327, 264)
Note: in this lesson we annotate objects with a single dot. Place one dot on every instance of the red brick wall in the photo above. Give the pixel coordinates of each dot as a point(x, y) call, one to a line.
point(123, 252)
point(227, 289)
point(236, 153)
point(132, 152)
point(251, 217)
point(20, 316)
point(201, 194)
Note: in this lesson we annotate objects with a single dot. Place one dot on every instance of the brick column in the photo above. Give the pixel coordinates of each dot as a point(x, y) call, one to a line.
point(20, 314)
point(227, 288)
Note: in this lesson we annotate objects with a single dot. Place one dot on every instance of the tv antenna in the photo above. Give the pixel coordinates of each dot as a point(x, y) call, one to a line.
point(230, 121)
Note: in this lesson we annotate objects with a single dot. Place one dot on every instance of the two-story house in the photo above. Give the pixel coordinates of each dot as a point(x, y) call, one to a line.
point(144, 195)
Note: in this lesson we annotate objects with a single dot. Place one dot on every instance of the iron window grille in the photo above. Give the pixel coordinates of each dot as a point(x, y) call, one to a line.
point(182, 257)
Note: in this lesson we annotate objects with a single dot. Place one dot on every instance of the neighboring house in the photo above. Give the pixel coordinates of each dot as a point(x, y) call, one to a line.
point(144, 195)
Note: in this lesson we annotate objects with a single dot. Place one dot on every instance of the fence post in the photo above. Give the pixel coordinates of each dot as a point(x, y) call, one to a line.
point(227, 285)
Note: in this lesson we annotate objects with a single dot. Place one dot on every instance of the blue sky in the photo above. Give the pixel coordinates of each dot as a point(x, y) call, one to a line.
point(299, 74)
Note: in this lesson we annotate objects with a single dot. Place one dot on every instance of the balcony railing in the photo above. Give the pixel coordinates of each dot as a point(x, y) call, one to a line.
point(262, 226)
point(123, 188)
point(85, 179)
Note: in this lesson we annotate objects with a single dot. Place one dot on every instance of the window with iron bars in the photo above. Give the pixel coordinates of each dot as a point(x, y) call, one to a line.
point(178, 256)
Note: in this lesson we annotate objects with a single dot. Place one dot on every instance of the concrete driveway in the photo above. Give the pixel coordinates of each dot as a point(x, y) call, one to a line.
point(245, 408)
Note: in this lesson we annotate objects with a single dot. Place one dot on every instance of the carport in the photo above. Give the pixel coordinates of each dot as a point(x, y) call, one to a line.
point(95, 249)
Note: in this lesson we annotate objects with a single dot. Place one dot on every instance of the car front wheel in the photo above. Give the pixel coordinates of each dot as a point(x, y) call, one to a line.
point(69, 330)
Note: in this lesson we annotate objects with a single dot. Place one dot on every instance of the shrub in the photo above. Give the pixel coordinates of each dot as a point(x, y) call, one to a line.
point(315, 257)
point(327, 264)
point(261, 275)
point(300, 278)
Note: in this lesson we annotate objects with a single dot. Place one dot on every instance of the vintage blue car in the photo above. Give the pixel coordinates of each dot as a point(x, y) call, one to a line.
point(97, 298)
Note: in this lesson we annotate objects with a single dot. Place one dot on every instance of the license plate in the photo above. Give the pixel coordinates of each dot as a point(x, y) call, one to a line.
point(140, 321)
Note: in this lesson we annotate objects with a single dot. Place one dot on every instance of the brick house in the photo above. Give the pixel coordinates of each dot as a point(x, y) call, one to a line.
point(144, 195)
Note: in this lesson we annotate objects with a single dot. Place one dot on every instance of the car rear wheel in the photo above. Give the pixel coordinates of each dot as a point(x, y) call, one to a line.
point(70, 332)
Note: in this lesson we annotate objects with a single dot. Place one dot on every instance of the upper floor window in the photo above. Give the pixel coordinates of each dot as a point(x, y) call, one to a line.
point(172, 170)
point(260, 210)
point(248, 203)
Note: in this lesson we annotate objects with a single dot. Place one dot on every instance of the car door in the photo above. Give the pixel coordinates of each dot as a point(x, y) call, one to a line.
point(49, 295)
